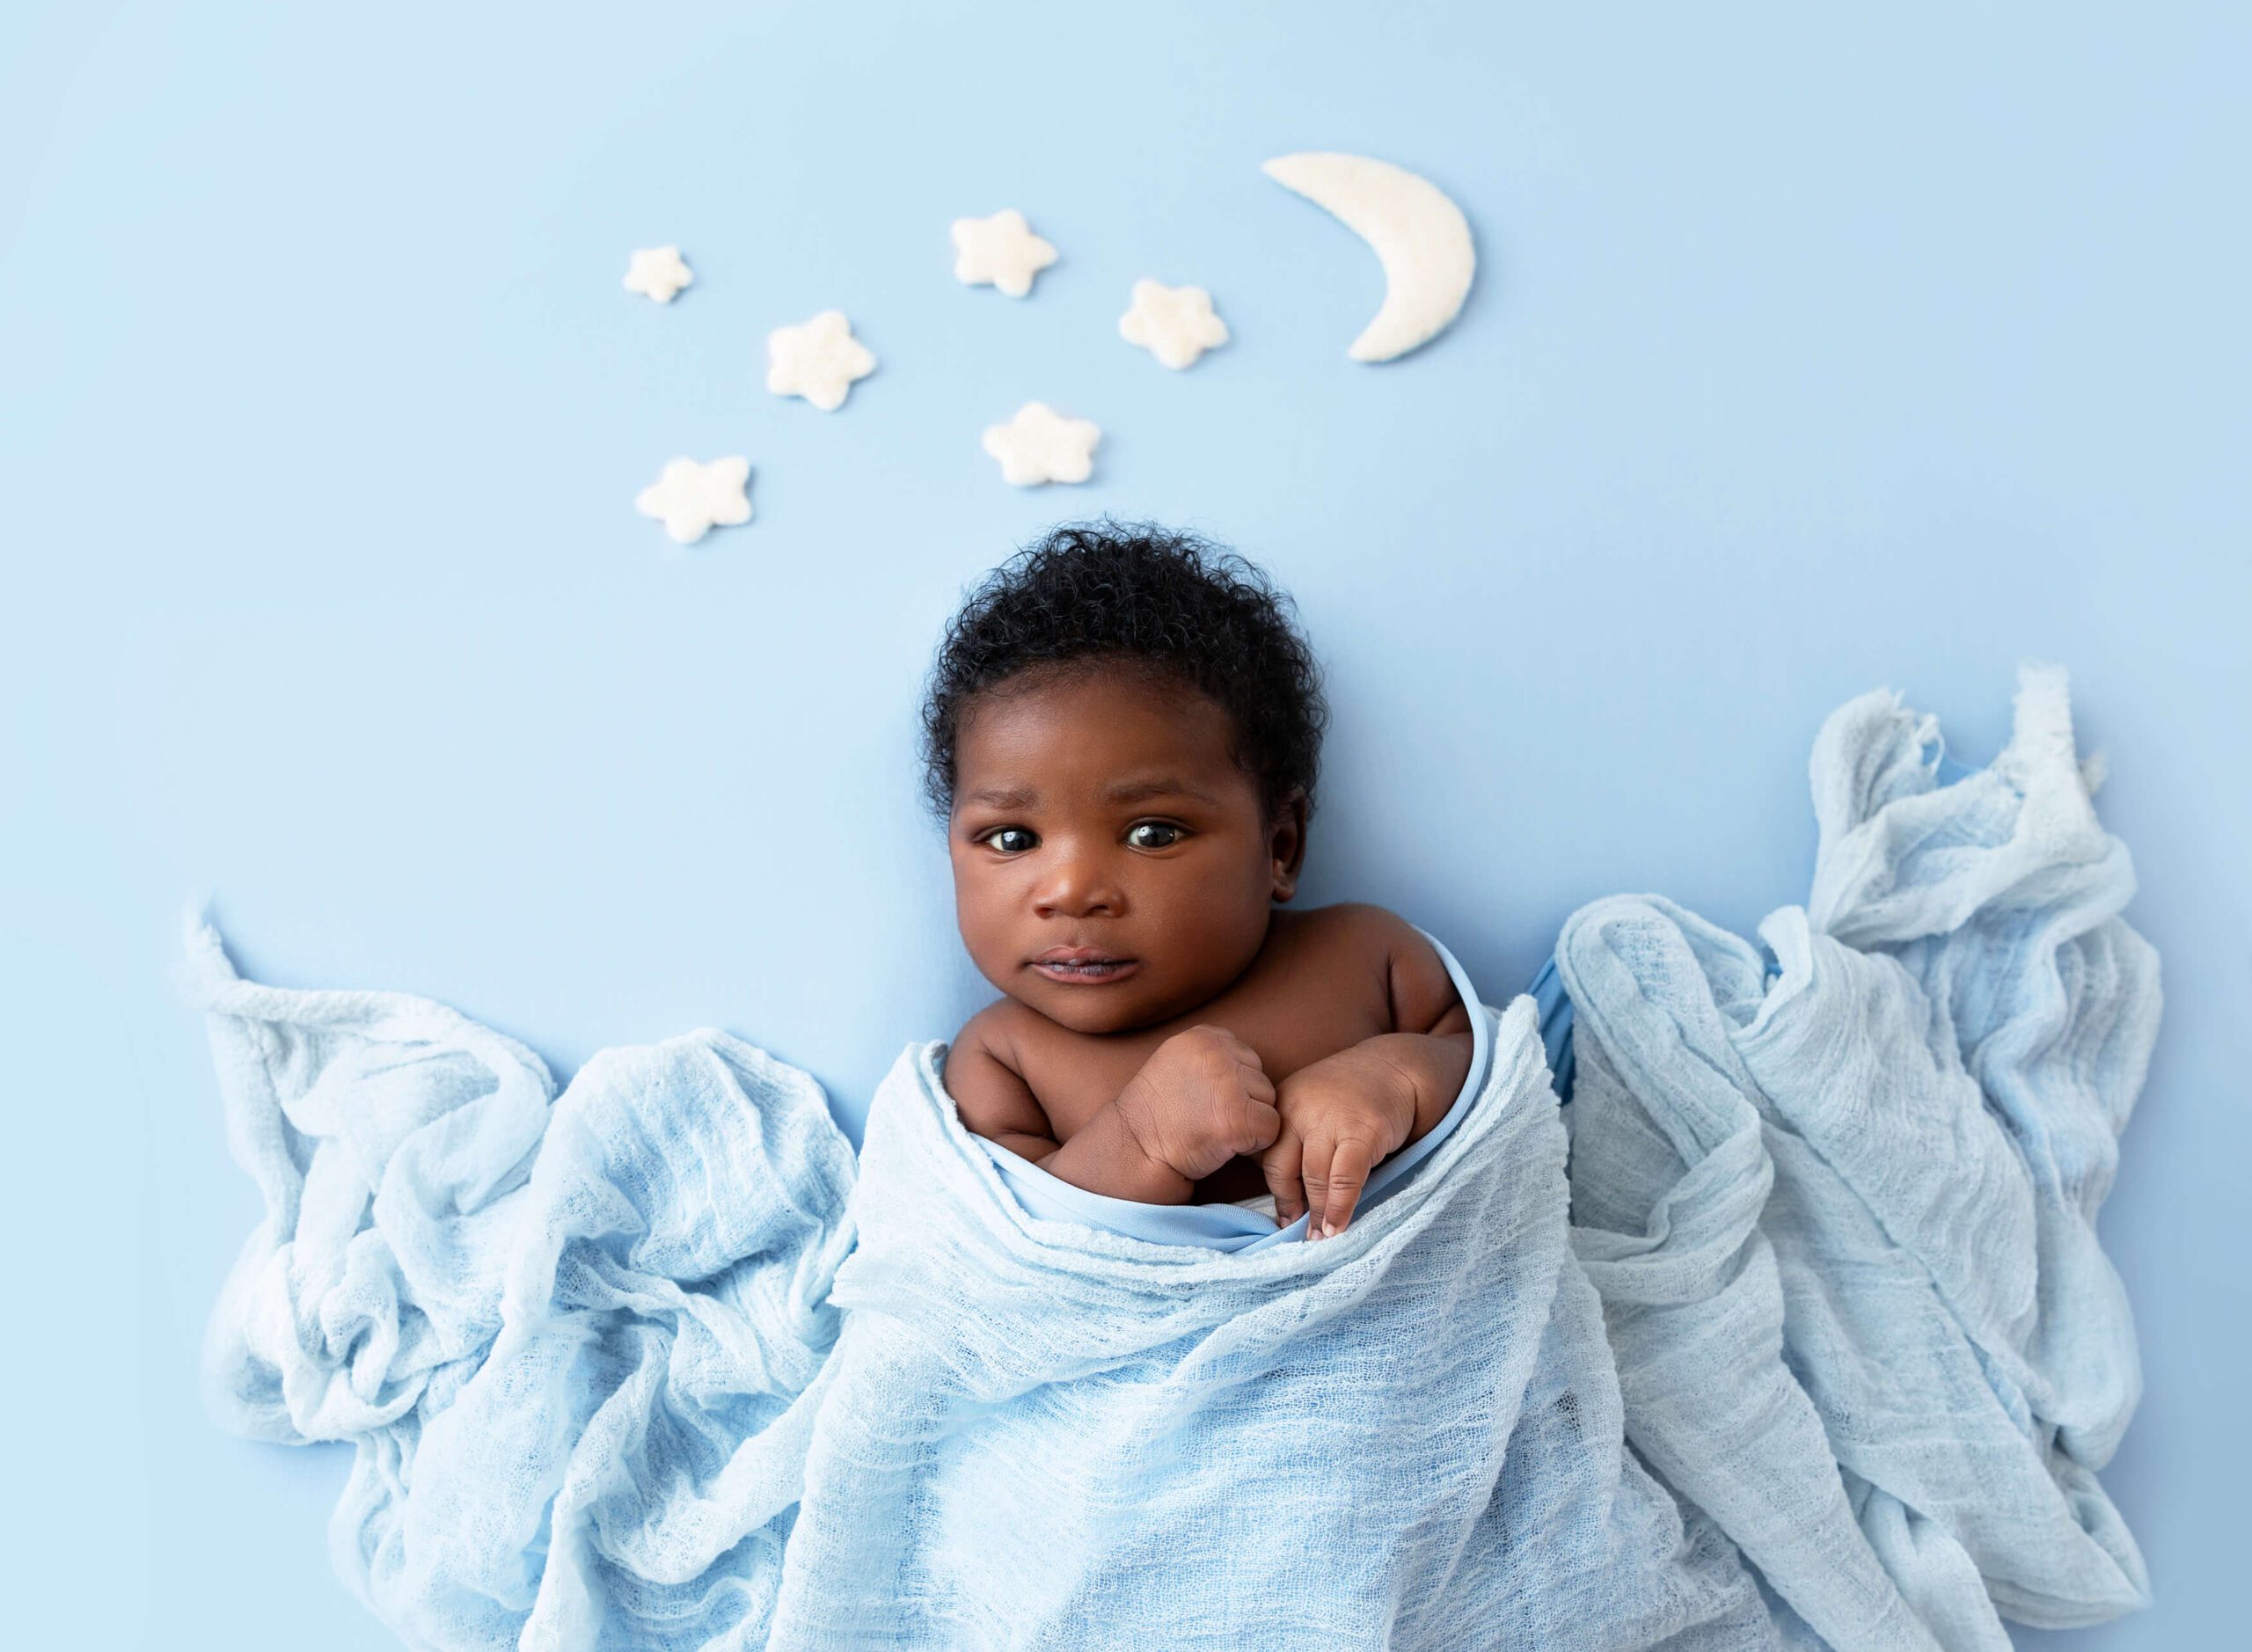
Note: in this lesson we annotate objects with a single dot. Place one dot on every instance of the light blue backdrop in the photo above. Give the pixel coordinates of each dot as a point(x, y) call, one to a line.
point(1814, 349)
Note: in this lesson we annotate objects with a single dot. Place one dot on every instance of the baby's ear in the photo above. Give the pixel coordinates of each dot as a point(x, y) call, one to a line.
point(1286, 842)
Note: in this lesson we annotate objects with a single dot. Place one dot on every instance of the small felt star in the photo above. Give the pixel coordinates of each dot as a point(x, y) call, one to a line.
point(1000, 250)
point(1174, 324)
point(1041, 445)
point(691, 498)
point(658, 272)
point(817, 359)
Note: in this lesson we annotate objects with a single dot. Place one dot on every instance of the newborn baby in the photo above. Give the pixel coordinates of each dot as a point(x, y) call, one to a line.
point(1122, 730)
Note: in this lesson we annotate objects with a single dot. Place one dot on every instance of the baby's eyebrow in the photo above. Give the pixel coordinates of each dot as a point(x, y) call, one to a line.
point(1006, 797)
point(1117, 791)
point(1166, 785)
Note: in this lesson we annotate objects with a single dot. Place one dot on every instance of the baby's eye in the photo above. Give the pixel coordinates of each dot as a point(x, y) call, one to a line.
point(999, 836)
point(1171, 835)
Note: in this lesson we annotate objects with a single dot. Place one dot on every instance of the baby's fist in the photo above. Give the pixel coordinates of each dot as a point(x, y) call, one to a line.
point(1341, 1117)
point(1201, 1099)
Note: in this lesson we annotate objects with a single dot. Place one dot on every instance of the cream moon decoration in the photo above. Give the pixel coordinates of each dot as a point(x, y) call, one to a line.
point(1418, 235)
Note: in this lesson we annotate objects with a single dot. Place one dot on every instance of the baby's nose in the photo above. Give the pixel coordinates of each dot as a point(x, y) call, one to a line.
point(1077, 884)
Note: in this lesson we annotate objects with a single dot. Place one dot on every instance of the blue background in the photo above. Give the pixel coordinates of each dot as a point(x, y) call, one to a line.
point(1813, 349)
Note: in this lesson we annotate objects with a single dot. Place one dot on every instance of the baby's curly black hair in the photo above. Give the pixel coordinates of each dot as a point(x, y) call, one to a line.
point(1156, 598)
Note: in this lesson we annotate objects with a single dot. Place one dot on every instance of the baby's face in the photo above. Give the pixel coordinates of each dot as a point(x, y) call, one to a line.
point(1098, 811)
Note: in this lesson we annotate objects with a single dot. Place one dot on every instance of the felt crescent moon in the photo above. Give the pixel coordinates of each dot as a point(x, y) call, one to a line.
point(1419, 237)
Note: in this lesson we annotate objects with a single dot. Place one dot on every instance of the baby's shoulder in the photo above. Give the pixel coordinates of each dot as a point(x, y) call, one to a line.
point(1360, 935)
point(985, 1073)
point(995, 1031)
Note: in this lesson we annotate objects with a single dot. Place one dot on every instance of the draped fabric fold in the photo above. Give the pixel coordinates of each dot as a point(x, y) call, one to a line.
point(1791, 1331)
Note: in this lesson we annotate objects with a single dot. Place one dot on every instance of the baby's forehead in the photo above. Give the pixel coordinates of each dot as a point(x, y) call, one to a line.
point(1095, 737)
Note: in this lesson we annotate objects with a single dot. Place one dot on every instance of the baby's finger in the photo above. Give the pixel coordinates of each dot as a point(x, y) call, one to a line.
point(1281, 1163)
point(1257, 1085)
point(1348, 1173)
point(1266, 1125)
point(1313, 1174)
point(1241, 1050)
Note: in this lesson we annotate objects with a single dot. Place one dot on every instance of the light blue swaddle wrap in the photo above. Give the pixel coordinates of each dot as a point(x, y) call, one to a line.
point(1244, 1225)
point(1806, 1341)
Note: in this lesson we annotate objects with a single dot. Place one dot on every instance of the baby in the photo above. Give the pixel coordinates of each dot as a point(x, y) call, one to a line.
point(1122, 730)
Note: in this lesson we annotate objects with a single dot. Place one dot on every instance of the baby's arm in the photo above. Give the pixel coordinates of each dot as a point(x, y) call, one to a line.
point(1430, 1042)
point(1343, 1115)
point(1105, 1155)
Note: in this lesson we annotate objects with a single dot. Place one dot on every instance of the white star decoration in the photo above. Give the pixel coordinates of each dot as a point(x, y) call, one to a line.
point(1041, 445)
point(1001, 251)
point(1174, 324)
point(691, 498)
point(658, 272)
point(817, 359)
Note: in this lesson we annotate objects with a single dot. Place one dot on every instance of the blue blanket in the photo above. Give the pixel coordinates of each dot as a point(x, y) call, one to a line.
point(1791, 1331)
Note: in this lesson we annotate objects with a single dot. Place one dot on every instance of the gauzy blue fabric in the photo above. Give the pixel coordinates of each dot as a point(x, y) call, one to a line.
point(1553, 1007)
point(1232, 1227)
point(1554, 1004)
point(1806, 1341)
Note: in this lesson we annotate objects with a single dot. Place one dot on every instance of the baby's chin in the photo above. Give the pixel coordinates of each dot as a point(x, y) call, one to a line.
point(1097, 1011)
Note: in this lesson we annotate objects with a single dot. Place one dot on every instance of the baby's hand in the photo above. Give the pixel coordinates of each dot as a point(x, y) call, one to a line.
point(1201, 1099)
point(1341, 1117)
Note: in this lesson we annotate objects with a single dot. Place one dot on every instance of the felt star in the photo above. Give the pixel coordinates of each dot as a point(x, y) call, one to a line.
point(1174, 324)
point(817, 359)
point(1000, 250)
point(658, 272)
point(1041, 445)
point(691, 498)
